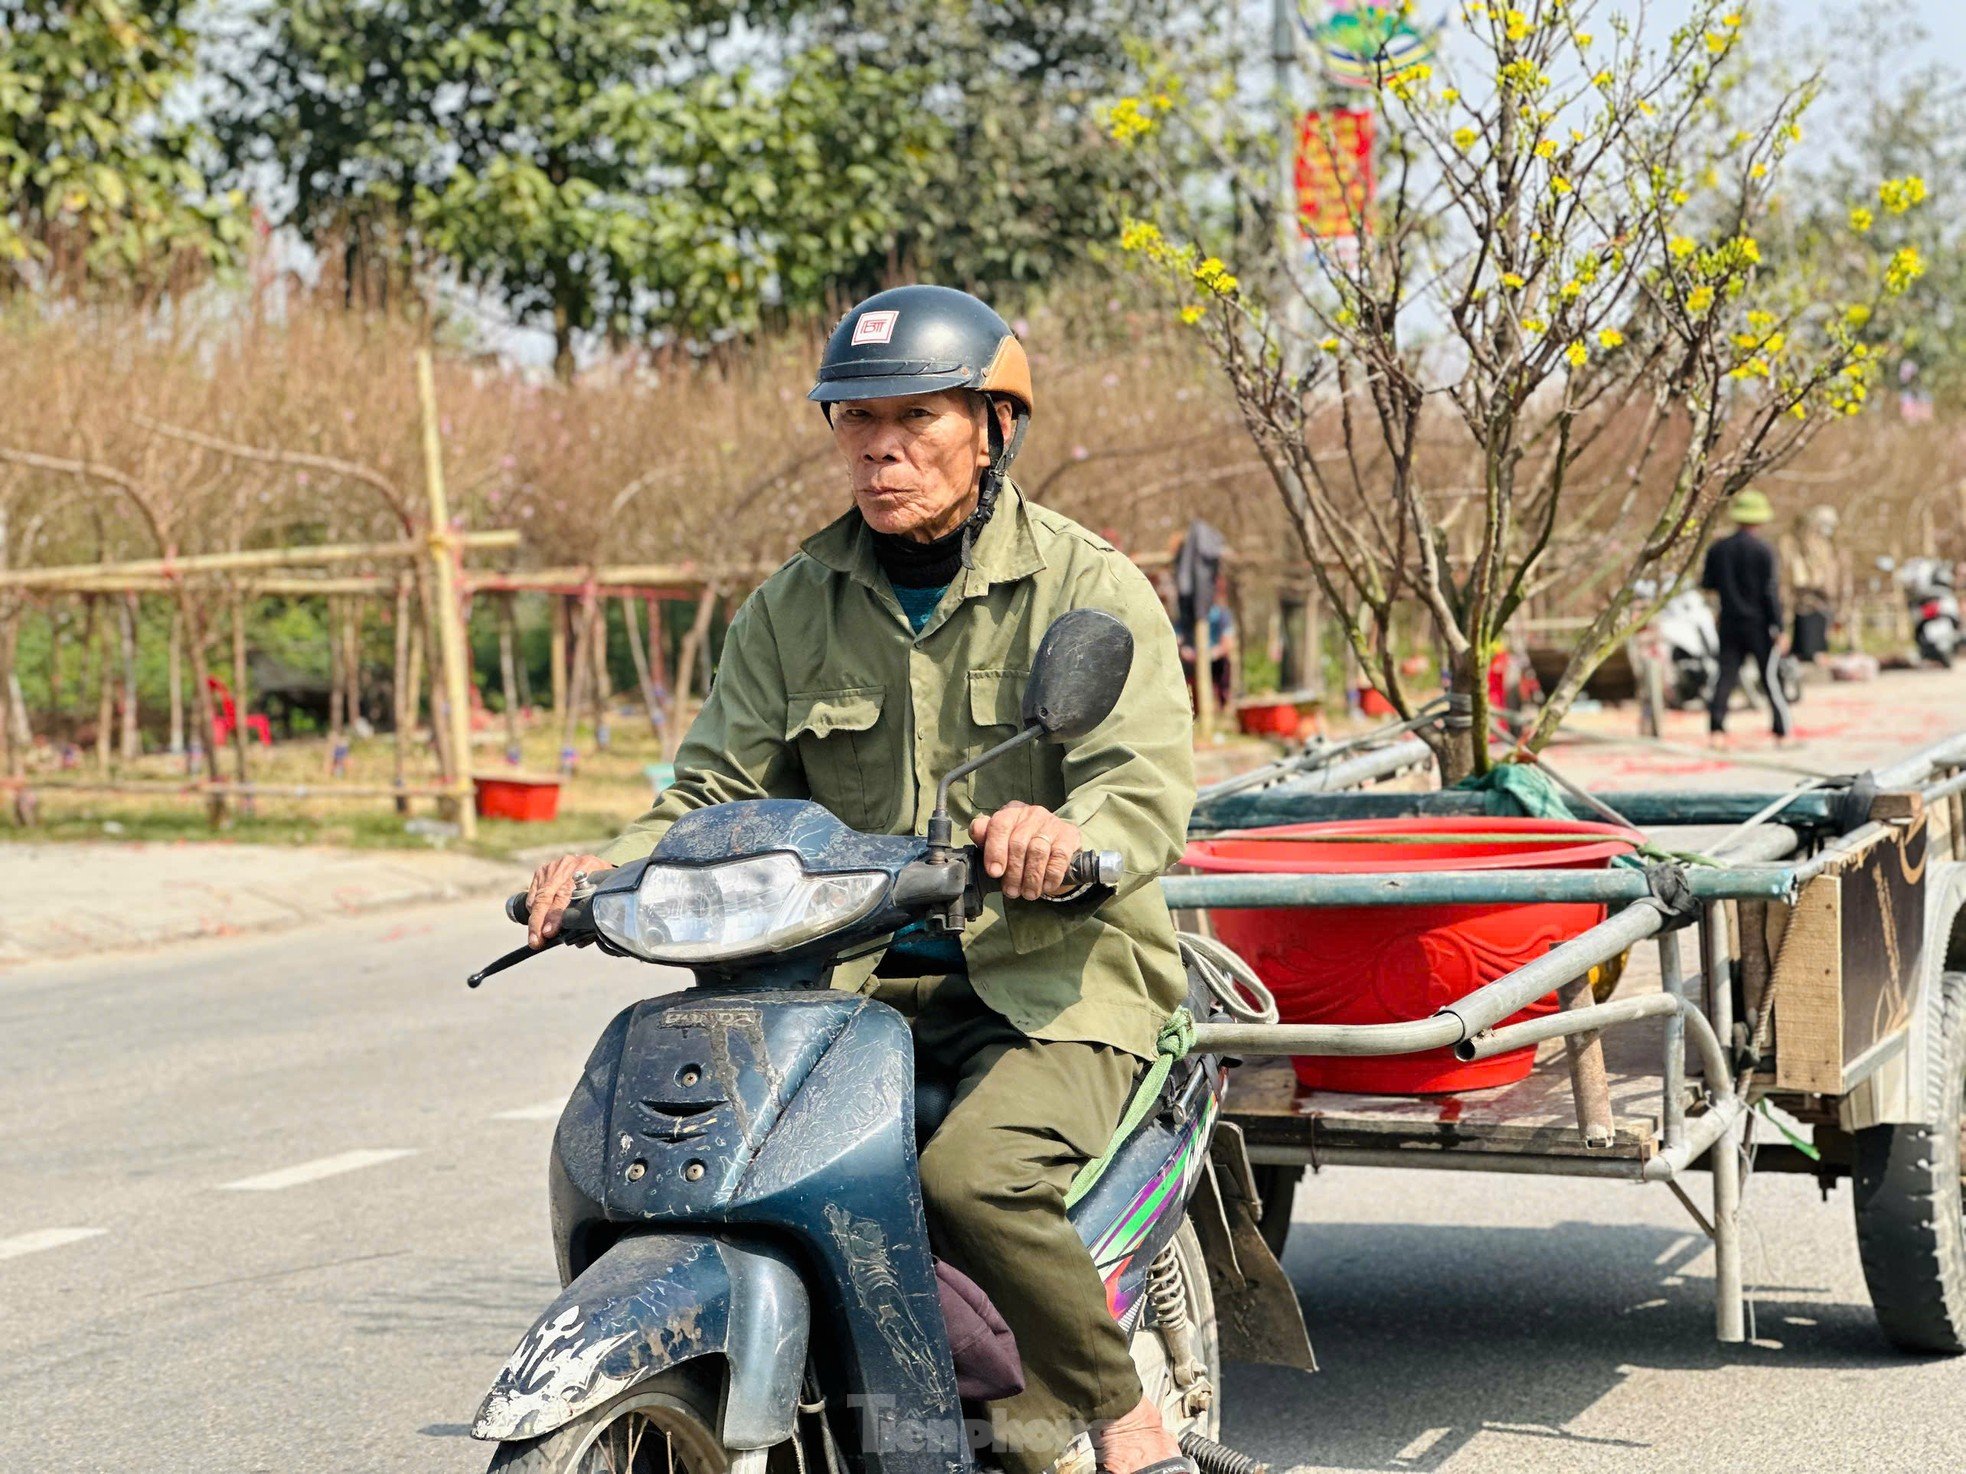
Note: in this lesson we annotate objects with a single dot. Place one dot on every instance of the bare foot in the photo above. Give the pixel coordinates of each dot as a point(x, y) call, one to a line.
point(1132, 1442)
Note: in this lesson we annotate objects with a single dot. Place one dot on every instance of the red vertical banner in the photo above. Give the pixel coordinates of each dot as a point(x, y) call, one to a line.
point(1334, 173)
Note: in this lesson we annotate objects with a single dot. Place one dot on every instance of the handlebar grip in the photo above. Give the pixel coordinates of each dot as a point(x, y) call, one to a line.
point(1103, 866)
point(518, 907)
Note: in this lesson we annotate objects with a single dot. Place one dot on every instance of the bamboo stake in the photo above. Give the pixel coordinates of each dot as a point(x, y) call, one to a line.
point(105, 687)
point(131, 744)
point(249, 558)
point(351, 664)
point(580, 676)
point(558, 606)
point(685, 670)
point(10, 741)
point(444, 548)
point(241, 697)
point(508, 677)
point(174, 678)
point(402, 694)
point(335, 672)
point(637, 654)
point(597, 650)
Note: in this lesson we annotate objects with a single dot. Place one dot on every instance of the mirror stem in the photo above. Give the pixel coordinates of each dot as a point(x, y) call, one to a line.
point(941, 833)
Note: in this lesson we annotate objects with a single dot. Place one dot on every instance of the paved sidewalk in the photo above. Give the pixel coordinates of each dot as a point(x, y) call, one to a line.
point(64, 900)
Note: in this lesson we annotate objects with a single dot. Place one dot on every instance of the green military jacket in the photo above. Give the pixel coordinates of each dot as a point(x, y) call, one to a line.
point(824, 692)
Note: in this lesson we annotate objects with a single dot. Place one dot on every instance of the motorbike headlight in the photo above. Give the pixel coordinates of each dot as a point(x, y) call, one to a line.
point(742, 908)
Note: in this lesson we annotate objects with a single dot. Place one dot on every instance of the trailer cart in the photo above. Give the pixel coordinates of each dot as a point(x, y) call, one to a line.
point(1811, 971)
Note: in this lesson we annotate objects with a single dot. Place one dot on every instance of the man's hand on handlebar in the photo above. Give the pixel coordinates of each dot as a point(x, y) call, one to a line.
point(1027, 849)
point(551, 889)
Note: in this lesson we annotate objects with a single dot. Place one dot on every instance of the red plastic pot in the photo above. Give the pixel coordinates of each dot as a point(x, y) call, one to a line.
point(517, 796)
point(1269, 718)
point(1392, 964)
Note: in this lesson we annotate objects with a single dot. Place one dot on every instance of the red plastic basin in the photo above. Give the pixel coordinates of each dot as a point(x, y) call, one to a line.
point(517, 796)
point(1392, 964)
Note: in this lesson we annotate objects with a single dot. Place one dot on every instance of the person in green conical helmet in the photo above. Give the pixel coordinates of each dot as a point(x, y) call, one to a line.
point(889, 650)
point(1742, 573)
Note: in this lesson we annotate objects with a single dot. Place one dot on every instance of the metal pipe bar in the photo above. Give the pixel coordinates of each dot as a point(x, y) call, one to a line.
point(1449, 1160)
point(1915, 767)
point(1286, 803)
point(1672, 1078)
point(1324, 772)
point(1944, 788)
point(1466, 887)
point(1764, 842)
point(1462, 1019)
point(1327, 1039)
point(1701, 1133)
point(1556, 1025)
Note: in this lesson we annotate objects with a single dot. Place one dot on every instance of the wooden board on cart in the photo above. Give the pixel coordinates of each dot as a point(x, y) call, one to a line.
point(1533, 1117)
point(1846, 957)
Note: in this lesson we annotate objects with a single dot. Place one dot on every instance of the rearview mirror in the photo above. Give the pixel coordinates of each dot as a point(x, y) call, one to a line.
point(1078, 673)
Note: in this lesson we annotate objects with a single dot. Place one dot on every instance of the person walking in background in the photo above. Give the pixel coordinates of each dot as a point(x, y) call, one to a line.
point(1742, 573)
point(1817, 581)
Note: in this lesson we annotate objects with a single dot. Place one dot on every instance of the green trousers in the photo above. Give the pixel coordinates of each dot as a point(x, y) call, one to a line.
point(1027, 1114)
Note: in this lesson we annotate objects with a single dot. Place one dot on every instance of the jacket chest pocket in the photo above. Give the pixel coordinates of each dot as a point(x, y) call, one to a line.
point(996, 709)
point(839, 742)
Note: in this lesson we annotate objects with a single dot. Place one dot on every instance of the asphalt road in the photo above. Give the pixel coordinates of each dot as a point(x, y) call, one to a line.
point(277, 1204)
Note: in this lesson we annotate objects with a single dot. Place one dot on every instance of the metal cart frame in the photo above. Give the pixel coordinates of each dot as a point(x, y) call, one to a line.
point(1781, 844)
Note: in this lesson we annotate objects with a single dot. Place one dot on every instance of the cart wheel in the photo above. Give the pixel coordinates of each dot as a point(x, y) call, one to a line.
point(1911, 1201)
point(1276, 1185)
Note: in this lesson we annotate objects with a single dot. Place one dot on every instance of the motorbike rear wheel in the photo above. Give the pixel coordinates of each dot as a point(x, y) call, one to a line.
point(1181, 1366)
point(665, 1425)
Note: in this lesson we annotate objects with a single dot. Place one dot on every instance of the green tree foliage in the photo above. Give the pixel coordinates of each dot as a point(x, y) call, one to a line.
point(627, 166)
point(1023, 190)
point(99, 181)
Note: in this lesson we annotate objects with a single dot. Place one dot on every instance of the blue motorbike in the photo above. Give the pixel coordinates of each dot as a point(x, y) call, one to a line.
point(735, 1201)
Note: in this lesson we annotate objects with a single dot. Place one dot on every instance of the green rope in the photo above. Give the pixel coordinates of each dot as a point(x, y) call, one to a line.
point(1177, 1037)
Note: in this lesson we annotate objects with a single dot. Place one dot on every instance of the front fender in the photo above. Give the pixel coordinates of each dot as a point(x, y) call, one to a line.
point(651, 1302)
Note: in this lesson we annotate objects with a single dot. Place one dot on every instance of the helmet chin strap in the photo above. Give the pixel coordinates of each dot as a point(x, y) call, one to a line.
point(1002, 453)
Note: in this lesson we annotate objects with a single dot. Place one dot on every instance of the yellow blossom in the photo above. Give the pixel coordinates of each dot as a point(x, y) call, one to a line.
point(1856, 315)
point(1758, 171)
point(1602, 81)
point(1127, 120)
point(1861, 219)
point(1584, 38)
point(1899, 195)
point(1731, 20)
point(1716, 43)
point(1559, 185)
point(1680, 197)
point(1515, 25)
point(1571, 291)
point(1647, 109)
point(1799, 410)
point(1760, 321)
point(1906, 267)
point(1699, 299)
point(1450, 94)
point(1191, 314)
point(1546, 148)
point(1578, 354)
point(1464, 138)
point(1610, 338)
point(1534, 325)
point(1139, 235)
point(1329, 345)
point(1512, 281)
point(1681, 247)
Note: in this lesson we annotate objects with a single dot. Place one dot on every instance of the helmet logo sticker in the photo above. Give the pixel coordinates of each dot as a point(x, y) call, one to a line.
point(875, 327)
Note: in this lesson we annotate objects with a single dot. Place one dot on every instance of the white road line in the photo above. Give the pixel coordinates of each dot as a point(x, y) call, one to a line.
point(1419, 1447)
point(45, 1238)
point(546, 1110)
point(315, 1170)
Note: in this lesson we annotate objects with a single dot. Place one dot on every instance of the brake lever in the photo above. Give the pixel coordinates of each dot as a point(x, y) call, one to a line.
point(511, 959)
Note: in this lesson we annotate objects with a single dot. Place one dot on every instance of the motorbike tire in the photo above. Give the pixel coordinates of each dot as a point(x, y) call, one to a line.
point(1910, 1200)
point(674, 1403)
point(1152, 1356)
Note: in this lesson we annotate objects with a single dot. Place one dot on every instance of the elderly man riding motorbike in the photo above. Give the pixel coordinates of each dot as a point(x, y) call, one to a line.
point(893, 646)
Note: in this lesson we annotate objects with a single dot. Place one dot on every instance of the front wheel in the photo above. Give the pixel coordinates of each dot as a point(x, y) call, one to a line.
point(1911, 1200)
point(662, 1426)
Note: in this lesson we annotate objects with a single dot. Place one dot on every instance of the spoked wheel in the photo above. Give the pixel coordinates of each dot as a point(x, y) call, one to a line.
point(1911, 1200)
point(663, 1426)
point(1176, 1349)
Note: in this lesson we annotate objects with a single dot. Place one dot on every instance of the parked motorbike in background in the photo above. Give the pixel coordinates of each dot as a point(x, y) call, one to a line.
point(736, 1202)
point(1934, 608)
